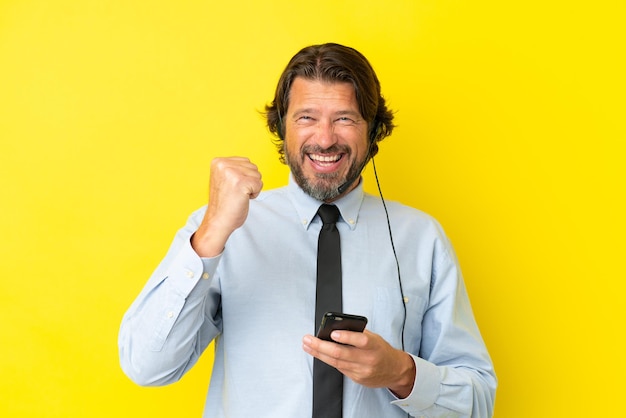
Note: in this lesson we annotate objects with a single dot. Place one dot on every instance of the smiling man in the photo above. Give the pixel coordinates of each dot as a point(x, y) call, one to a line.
point(242, 273)
point(327, 137)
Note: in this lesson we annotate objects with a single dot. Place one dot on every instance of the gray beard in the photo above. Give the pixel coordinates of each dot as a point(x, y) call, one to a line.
point(325, 186)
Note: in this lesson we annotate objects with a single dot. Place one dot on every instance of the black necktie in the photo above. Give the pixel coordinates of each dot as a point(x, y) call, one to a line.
point(327, 381)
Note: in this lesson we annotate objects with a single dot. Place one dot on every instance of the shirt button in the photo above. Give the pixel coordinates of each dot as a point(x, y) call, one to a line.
point(189, 274)
point(304, 222)
point(205, 276)
point(351, 221)
point(406, 299)
point(170, 314)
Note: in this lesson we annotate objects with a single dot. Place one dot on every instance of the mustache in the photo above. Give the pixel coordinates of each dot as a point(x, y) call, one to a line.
point(333, 149)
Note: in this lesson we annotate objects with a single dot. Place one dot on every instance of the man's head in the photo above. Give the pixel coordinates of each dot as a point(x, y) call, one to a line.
point(327, 80)
point(333, 63)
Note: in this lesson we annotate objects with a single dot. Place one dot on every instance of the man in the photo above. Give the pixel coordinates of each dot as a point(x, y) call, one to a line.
point(242, 272)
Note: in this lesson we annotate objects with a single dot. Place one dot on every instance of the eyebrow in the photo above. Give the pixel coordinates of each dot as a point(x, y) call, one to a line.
point(309, 110)
point(305, 110)
point(349, 113)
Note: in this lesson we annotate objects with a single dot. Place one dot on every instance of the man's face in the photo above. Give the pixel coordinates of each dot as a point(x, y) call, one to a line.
point(325, 137)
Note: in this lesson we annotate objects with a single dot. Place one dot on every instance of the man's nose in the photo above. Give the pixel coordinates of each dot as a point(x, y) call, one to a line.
point(326, 134)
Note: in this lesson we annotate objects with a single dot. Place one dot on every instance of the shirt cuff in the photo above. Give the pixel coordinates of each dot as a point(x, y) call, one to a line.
point(189, 274)
point(425, 389)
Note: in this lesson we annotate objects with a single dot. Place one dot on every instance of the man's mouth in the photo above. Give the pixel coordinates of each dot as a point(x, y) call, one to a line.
point(325, 160)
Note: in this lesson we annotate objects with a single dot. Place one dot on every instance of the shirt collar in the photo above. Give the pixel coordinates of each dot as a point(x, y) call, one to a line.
point(306, 206)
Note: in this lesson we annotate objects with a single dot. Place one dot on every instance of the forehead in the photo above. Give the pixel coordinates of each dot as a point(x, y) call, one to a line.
point(314, 92)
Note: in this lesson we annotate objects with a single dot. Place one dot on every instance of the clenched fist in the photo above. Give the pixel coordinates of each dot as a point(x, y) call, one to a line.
point(234, 181)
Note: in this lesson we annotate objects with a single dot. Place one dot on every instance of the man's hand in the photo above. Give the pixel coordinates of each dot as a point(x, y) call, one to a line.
point(234, 181)
point(367, 359)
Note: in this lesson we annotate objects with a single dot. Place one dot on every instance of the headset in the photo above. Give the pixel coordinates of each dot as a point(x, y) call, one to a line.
point(373, 135)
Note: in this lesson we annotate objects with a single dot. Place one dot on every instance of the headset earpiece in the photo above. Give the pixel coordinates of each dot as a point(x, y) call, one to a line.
point(374, 131)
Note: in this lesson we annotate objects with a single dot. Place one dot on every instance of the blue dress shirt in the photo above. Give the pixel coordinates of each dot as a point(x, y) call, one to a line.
point(257, 301)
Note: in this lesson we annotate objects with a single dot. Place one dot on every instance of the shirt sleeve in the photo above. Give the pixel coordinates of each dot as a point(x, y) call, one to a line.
point(174, 318)
point(455, 376)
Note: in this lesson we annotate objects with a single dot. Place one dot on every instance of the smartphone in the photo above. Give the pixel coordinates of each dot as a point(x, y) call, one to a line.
point(340, 321)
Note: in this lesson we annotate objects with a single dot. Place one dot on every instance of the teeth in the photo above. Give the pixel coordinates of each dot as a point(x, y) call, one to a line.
point(324, 158)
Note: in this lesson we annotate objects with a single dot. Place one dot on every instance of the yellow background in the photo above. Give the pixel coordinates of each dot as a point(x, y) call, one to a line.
point(510, 131)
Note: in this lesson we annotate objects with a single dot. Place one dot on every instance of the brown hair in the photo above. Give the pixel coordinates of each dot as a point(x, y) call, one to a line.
point(333, 63)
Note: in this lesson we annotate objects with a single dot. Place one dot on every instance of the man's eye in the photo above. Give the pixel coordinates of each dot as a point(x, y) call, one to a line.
point(345, 120)
point(304, 120)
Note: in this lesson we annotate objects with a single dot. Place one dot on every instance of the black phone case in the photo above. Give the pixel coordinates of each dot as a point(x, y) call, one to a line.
point(340, 321)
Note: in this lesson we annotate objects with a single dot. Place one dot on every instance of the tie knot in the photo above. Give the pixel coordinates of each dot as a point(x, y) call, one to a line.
point(328, 213)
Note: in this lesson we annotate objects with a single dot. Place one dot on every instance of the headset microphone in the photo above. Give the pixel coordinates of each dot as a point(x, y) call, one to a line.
point(354, 178)
point(344, 186)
